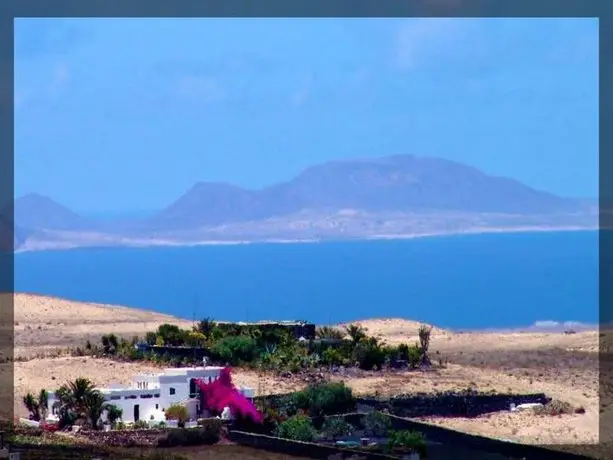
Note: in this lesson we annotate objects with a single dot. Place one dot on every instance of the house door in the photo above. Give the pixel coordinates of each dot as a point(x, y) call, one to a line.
point(136, 412)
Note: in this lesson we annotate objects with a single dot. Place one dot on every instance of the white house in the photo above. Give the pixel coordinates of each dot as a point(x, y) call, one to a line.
point(150, 394)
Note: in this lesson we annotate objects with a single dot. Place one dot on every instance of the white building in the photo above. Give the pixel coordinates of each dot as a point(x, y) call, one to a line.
point(150, 394)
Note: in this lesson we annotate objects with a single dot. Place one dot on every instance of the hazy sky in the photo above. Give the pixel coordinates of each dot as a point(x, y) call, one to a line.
point(127, 114)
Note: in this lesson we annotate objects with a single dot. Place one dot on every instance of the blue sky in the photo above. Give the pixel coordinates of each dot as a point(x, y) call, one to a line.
point(126, 114)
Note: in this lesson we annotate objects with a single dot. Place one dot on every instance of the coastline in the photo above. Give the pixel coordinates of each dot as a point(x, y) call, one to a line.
point(151, 243)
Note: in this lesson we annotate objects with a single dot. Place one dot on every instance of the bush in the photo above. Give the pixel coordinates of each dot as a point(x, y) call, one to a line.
point(411, 354)
point(336, 427)
point(297, 428)
point(113, 413)
point(140, 425)
point(177, 412)
point(332, 356)
point(377, 424)
point(325, 399)
point(205, 435)
point(370, 354)
point(151, 338)
point(109, 344)
point(236, 349)
point(409, 440)
point(171, 334)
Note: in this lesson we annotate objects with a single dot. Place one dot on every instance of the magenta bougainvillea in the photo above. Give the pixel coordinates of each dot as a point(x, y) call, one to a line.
point(222, 393)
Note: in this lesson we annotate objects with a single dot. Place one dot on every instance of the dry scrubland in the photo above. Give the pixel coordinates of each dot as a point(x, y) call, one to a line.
point(563, 366)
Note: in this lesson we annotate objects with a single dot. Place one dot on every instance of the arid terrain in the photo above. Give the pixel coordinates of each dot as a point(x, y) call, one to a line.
point(564, 366)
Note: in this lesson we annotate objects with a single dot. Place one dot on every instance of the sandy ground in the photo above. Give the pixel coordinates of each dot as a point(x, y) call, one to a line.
point(46, 323)
point(564, 366)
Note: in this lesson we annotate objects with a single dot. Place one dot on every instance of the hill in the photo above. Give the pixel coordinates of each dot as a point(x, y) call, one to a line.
point(389, 197)
point(36, 211)
point(403, 183)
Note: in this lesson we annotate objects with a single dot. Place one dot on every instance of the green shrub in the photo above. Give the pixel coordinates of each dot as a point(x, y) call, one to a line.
point(236, 349)
point(177, 412)
point(376, 424)
point(297, 428)
point(409, 440)
point(204, 435)
point(171, 334)
point(369, 353)
point(151, 338)
point(328, 332)
point(140, 425)
point(336, 427)
point(325, 399)
point(113, 413)
point(332, 357)
point(109, 344)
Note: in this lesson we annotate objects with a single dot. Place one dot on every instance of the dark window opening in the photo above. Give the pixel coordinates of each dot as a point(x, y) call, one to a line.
point(172, 391)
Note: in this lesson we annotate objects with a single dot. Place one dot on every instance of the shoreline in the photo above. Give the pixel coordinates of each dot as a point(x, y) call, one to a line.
point(153, 243)
point(551, 327)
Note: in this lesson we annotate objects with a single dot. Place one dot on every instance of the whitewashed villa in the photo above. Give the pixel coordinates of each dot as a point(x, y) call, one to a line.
point(150, 394)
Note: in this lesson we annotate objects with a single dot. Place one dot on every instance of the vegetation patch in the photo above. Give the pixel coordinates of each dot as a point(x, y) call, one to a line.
point(268, 347)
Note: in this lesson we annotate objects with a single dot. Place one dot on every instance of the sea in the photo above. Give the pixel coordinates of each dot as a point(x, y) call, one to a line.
point(464, 282)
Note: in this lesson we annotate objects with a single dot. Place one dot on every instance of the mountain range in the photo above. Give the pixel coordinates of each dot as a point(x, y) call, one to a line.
point(394, 196)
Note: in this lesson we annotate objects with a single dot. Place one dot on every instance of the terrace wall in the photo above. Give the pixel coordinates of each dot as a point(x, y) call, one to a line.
point(448, 404)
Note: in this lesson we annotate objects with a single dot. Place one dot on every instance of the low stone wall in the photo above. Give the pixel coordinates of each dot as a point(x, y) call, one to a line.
point(125, 438)
point(448, 404)
point(301, 449)
point(444, 404)
point(164, 437)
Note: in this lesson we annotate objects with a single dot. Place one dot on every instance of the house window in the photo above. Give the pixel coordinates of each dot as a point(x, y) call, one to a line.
point(157, 406)
point(172, 391)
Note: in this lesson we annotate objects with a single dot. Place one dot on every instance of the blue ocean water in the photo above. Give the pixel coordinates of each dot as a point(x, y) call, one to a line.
point(460, 282)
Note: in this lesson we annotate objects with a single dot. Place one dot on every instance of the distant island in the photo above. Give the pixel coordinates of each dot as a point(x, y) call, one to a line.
point(399, 196)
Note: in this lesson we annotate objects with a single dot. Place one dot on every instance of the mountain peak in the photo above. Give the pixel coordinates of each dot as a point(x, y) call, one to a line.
point(34, 210)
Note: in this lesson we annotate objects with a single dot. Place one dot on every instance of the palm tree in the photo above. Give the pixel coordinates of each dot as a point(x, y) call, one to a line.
point(327, 332)
point(80, 389)
point(109, 344)
point(43, 402)
point(424, 333)
point(63, 405)
point(94, 405)
point(356, 333)
point(32, 405)
point(37, 406)
point(72, 400)
point(113, 413)
point(206, 327)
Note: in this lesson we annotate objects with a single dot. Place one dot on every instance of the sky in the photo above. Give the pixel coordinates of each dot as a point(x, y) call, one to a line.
point(125, 115)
